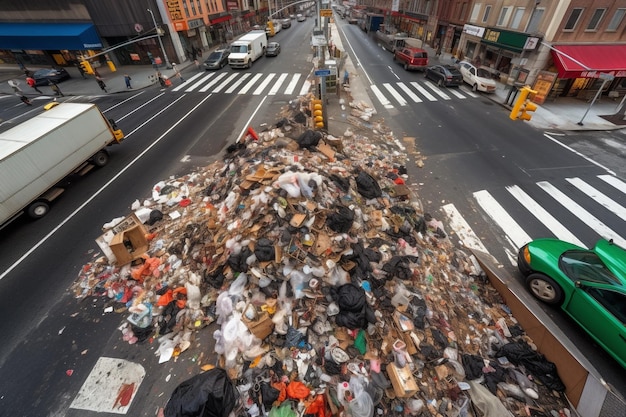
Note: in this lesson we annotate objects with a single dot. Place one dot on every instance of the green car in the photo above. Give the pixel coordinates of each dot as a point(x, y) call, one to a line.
point(589, 284)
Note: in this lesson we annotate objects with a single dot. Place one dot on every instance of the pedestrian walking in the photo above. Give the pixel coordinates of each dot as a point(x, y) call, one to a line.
point(127, 80)
point(31, 82)
point(95, 72)
point(177, 72)
point(55, 88)
point(101, 83)
point(24, 99)
point(197, 63)
point(15, 85)
point(160, 78)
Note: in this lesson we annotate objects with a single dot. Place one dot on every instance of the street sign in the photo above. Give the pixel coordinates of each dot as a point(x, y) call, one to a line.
point(322, 72)
point(605, 76)
point(326, 12)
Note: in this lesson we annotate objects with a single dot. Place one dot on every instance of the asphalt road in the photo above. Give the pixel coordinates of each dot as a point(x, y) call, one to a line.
point(51, 340)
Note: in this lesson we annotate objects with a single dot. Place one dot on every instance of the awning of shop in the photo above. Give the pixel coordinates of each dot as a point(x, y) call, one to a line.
point(220, 19)
point(588, 61)
point(49, 36)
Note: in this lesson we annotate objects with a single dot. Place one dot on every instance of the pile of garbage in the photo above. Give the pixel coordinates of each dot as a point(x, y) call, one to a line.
point(327, 287)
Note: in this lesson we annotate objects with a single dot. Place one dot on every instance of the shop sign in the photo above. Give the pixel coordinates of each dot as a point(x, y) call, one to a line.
point(173, 7)
point(135, 57)
point(232, 5)
point(474, 30)
point(195, 23)
point(513, 41)
point(543, 84)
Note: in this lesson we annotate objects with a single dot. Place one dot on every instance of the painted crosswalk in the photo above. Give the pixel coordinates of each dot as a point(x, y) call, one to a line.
point(573, 209)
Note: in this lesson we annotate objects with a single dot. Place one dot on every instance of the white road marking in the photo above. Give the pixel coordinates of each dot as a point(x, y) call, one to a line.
point(277, 84)
point(424, 92)
point(225, 82)
point(264, 84)
point(437, 90)
point(578, 211)
point(237, 83)
point(543, 216)
point(110, 382)
point(395, 94)
point(579, 154)
point(456, 92)
point(463, 229)
point(599, 197)
point(305, 88)
point(471, 93)
point(212, 83)
point(198, 83)
point(409, 92)
point(381, 97)
point(292, 84)
point(187, 82)
point(248, 86)
point(498, 214)
point(611, 180)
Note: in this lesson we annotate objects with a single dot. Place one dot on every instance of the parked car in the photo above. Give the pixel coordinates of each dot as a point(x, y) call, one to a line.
point(44, 76)
point(411, 58)
point(273, 49)
point(292, 16)
point(444, 75)
point(588, 284)
point(286, 23)
point(300, 17)
point(218, 59)
point(478, 78)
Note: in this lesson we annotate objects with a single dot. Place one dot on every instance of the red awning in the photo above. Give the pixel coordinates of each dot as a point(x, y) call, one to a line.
point(588, 61)
point(220, 19)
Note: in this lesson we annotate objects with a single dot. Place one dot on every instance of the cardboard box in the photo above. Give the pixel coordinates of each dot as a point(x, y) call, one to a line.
point(402, 380)
point(261, 327)
point(105, 240)
point(129, 245)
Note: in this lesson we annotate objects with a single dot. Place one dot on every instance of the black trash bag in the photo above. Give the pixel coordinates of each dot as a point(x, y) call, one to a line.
point(300, 118)
point(215, 278)
point(141, 333)
point(210, 394)
point(309, 139)
point(354, 311)
point(418, 309)
point(341, 220)
point(342, 183)
point(367, 186)
point(399, 266)
point(155, 216)
point(238, 261)
point(473, 366)
point(440, 339)
point(264, 250)
point(282, 122)
point(269, 394)
point(167, 189)
point(520, 353)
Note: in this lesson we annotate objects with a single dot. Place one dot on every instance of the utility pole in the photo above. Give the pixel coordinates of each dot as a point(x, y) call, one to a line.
point(156, 28)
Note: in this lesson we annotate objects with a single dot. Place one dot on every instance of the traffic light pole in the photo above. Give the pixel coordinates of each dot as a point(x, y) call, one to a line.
point(156, 28)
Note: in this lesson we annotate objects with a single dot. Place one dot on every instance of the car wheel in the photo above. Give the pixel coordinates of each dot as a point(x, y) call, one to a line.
point(544, 288)
point(394, 58)
point(440, 82)
point(406, 67)
point(101, 159)
point(38, 209)
point(475, 87)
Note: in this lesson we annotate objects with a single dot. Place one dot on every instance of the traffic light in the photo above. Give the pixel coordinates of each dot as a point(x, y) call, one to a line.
point(86, 66)
point(523, 105)
point(317, 111)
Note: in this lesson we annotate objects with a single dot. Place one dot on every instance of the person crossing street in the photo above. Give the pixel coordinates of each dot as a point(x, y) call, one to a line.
point(31, 82)
point(101, 83)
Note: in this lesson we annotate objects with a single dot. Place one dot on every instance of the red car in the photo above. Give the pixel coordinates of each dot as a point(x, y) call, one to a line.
point(411, 58)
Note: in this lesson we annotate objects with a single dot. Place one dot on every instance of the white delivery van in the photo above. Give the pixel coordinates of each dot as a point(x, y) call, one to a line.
point(247, 49)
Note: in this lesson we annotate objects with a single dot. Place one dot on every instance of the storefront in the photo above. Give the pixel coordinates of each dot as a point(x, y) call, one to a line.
point(578, 69)
point(47, 43)
point(505, 52)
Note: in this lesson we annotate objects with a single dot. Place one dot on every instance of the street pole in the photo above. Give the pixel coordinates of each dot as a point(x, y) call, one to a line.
point(593, 101)
point(156, 28)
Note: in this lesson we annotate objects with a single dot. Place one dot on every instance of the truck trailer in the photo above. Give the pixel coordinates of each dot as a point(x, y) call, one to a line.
point(36, 155)
point(247, 49)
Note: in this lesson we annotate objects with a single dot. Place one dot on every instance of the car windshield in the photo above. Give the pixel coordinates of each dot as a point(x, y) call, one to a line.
point(214, 56)
point(419, 55)
point(587, 266)
point(237, 49)
point(45, 72)
point(481, 72)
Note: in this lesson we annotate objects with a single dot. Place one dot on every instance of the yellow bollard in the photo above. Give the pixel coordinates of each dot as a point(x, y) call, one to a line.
point(111, 66)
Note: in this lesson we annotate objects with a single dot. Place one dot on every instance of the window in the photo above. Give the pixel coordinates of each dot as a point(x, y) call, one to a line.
point(463, 11)
point(504, 16)
point(486, 15)
point(517, 17)
point(573, 19)
point(586, 266)
point(616, 20)
point(535, 20)
point(595, 20)
point(475, 12)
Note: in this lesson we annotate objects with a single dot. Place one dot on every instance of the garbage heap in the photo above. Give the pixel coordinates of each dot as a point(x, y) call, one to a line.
point(327, 287)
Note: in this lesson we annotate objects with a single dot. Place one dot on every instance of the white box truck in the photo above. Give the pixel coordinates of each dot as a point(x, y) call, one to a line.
point(247, 49)
point(36, 155)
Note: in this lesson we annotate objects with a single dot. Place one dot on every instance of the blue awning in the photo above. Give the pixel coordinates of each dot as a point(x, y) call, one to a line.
point(49, 36)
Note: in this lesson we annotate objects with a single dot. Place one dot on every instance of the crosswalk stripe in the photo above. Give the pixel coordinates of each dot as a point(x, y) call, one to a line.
point(238, 83)
point(424, 92)
point(199, 83)
point(543, 216)
point(305, 88)
point(599, 197)
point(212, 83)
point(383, 100)
point(409, 92)
point(498, 214)
point(248, 86)
point(437, 90)
point(264, 84)
point(292, 84)
point(462, 229)
point(225, 83)
point(586, 217)
point(187, 82)
point(611, 180)
point(470, 93)
point(455, 92)
point(395, 94)
point(277, 85)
